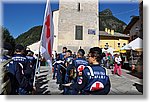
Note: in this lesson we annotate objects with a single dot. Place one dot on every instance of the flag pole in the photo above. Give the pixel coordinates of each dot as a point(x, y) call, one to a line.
point(36, 68)
point(40, 46)
point(42, 34)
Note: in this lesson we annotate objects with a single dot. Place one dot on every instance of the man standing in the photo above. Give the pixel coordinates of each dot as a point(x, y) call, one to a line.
point(75, 68)
point(19, 71)
point(59, 65)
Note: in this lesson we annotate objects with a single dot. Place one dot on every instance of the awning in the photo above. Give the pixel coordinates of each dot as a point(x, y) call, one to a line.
point(134, 45)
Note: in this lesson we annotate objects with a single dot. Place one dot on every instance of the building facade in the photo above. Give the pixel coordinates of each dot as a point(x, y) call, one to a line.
point(55, 21)
point(114, 40)
point(133, 28)
point(141, 18)
point(77, 25)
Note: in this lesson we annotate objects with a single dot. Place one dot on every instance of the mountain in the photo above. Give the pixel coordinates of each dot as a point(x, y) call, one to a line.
point(107, 20)
point(29, 37)
point(7, 38)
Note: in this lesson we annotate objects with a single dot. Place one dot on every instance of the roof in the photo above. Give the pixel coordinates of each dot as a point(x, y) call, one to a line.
point(103, 33)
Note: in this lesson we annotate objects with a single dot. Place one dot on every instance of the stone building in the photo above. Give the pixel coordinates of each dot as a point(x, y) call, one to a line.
point(141, 18)
point(76, 25)
point(133, 28)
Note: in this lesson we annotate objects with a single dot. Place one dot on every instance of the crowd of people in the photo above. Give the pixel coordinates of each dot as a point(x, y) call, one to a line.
point(21, 68)
point(113, 62)
point(76, 73)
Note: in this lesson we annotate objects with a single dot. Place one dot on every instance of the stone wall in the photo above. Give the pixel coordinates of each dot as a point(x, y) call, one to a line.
point(70, 17)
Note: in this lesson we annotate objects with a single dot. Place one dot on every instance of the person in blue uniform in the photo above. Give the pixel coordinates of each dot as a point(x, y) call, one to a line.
point(75, 68)
point(32, 62)
point(63, 68)
point(93, 80)
point(77, 65)
point(59, 65)
point(64, 50)
point(19, 71)
point(65, 75)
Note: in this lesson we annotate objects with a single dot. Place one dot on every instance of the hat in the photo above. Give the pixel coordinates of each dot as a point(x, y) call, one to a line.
point(19, 47)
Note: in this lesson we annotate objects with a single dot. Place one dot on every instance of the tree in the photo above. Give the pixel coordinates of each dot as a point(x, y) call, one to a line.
point(6, 37)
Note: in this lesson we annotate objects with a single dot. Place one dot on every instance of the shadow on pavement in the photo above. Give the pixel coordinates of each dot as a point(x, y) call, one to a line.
point(136, 74)
point(138, 87)
point(42, 85)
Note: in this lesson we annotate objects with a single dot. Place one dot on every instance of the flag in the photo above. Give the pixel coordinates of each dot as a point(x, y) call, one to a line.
point(47, 35)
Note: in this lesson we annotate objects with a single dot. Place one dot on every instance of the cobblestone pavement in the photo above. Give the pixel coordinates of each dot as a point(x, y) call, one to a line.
point(126, 84)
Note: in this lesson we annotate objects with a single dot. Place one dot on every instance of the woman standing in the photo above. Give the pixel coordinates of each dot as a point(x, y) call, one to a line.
point(118, 65)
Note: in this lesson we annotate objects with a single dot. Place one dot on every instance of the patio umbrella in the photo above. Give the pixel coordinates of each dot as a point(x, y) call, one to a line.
point(134, 45)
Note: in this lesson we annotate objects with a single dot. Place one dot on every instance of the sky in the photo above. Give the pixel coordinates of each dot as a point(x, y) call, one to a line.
point(19, 17)
point(121, 10)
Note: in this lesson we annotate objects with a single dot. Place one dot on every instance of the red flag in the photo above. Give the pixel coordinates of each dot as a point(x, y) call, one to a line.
point(47, 35)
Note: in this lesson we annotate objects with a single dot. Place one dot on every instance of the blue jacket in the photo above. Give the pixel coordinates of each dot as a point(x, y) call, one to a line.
point(79, 64)
point(32, 61)
point(19, 70)
point(69, 60)
point(61, 56)
point(93, 81)
point(17, 58)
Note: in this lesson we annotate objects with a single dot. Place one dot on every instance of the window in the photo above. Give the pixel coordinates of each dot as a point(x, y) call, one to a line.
point(106, 46)
point(78, 6)
point(79, 33)
point(118, 44)
point(124, 44)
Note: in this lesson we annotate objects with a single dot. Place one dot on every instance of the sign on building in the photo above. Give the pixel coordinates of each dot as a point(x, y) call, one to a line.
point(91, 31)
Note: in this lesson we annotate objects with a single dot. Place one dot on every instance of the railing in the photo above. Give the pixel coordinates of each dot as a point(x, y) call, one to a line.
point(5, 88)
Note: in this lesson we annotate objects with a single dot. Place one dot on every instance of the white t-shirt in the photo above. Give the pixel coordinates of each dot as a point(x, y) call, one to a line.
point(118, 60)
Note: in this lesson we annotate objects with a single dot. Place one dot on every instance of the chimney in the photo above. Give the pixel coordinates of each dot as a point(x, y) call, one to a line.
point(112, 32)
point(106, 30)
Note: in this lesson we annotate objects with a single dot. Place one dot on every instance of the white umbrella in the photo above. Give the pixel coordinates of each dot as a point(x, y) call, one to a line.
point(126, 47)
point(134, 45)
